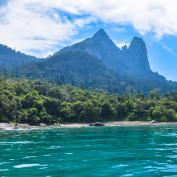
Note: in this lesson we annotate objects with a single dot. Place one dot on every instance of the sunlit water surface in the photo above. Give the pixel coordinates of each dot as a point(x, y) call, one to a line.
point(90, 152)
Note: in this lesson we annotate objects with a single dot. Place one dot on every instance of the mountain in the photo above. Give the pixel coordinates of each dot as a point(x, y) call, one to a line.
point(97, 63)
point(132, 60)
point(10, 59)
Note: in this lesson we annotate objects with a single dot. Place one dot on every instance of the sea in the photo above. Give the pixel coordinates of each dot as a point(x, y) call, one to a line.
point(140, 151)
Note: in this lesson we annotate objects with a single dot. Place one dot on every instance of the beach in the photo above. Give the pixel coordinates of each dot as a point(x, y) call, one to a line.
point(11, 126)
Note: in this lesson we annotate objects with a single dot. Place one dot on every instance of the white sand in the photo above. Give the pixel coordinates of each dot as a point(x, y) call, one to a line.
point(6, 126)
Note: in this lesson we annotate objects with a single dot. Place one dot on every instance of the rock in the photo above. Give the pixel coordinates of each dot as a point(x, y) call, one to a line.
point(153, 121)
point(22, 126)
point(42, 125)
point(97, 124)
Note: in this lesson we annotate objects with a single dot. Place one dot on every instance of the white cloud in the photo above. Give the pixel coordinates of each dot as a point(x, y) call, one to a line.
point(35, 24)
point(27, 25)
point(158, 16)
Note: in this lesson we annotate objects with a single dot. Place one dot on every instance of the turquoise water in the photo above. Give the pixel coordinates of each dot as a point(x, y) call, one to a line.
point(90, 152)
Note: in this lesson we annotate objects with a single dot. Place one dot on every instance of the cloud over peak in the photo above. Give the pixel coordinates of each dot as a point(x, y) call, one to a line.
point(38, 24)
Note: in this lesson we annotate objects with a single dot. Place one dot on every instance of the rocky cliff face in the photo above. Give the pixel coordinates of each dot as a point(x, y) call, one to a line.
point(137, 55)
point(131, 61)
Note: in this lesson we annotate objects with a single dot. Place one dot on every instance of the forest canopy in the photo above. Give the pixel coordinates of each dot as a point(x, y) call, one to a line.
point(35, 102)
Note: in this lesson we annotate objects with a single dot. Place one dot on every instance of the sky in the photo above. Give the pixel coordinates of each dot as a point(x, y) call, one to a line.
point(42, 27)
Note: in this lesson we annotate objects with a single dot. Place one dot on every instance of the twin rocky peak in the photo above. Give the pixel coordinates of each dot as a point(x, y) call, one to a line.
point(128, 60)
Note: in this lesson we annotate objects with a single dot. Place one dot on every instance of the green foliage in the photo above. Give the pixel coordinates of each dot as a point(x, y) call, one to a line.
point(35, 102)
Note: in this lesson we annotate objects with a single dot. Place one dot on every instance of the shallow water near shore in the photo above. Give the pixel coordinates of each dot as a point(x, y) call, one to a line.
point(84, 152)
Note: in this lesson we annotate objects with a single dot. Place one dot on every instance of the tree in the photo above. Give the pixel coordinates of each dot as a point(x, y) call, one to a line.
point(155, 94)
point(108, 112)
point(53, 106)
point(90, 112)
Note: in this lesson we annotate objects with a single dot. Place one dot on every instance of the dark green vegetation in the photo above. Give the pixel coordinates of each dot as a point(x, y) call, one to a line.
point(34, 102)
point(95, 63)
point(10, 59)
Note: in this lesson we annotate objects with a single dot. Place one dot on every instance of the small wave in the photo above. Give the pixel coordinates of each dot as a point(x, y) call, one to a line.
point(29, 157)
point(54, 147)
point(2, 170)
point(127, 175)
point(119, 166)
point(17, 142)
point(43, 168)
point(28, 165)
point(69, 153)
point(170, 134)
point(47, 155)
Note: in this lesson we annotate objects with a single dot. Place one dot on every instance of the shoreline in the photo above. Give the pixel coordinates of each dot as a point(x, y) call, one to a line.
point(9, 126)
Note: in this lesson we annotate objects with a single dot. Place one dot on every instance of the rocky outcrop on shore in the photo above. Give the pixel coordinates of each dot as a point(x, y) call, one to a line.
point(97, 124)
